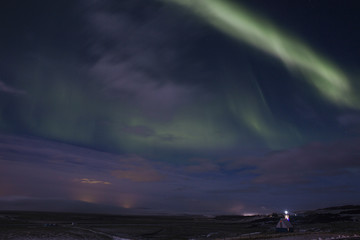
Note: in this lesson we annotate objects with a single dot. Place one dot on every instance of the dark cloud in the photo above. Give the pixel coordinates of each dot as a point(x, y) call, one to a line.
point(349, 119)
point(11, 90)
point(305, 164)
point(61, 171)
point(143, 71)
point(138, 169)
point(202, 166)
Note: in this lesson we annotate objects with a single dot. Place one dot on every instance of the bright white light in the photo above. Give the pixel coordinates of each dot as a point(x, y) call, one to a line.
point(250, 214)
point(286, 212)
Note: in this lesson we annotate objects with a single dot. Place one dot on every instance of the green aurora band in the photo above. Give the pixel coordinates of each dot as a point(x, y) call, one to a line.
point(239, 23)
point(65, 104)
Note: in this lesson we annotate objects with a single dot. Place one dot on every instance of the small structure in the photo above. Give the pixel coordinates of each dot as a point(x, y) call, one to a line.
point(284, 225)
point(287, 216)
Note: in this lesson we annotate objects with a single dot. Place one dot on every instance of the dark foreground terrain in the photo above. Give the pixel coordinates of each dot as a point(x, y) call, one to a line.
point(331, 223)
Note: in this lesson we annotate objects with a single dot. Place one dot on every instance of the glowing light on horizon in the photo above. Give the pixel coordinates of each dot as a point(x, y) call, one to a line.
point(287, 217)
point(86, 198)
point(127, 200)
point(249, 214)
point(126, 205)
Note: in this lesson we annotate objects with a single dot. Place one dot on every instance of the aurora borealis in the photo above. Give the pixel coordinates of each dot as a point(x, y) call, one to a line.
point(180, 106)
point(234, 20)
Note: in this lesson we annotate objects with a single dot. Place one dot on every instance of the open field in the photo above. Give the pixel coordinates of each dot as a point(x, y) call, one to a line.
point(331, 223)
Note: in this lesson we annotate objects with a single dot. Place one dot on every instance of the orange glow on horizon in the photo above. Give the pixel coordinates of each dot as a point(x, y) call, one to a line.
point(126, 205)
point(127, 200)
point(86, 198)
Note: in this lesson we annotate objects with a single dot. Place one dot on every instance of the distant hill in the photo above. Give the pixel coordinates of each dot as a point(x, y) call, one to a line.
point(353, 207)
point(55, 205)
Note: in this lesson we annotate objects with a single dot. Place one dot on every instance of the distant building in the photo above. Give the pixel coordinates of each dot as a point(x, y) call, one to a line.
point(284, 225)
point(287, 216)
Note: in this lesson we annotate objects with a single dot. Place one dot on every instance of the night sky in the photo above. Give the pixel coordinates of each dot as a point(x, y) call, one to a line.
point(179, 106)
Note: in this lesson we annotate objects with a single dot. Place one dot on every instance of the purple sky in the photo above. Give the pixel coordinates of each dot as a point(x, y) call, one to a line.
point(161, 107)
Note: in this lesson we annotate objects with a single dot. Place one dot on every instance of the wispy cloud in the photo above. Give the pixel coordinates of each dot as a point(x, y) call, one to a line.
point(138, 169)
point(202, 166)
point(91, 181)
point(142, 71)
point(11, 90)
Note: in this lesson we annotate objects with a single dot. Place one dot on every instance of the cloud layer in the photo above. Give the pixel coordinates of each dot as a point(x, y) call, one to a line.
point(179, 106)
